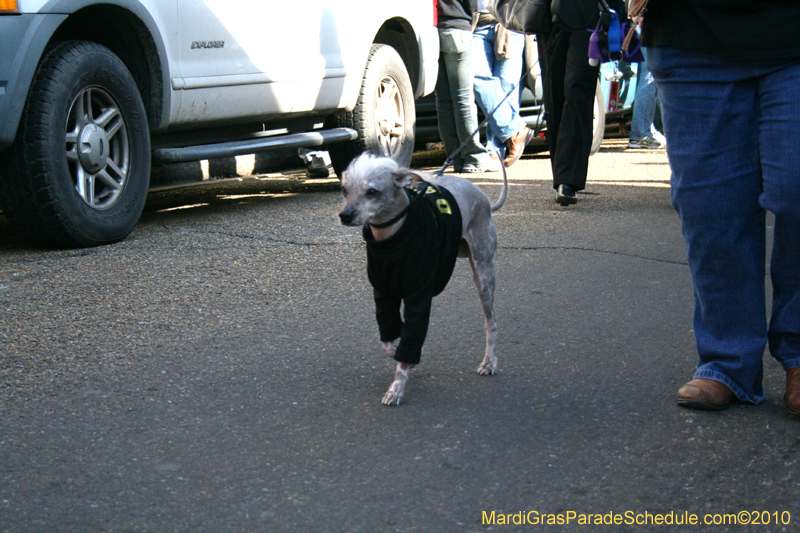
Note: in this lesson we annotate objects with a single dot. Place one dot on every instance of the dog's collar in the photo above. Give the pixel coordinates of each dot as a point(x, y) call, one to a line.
point(415, 192)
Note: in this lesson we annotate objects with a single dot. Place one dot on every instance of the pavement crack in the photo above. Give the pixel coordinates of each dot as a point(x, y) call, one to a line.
point(288, 242)
point(592, 250)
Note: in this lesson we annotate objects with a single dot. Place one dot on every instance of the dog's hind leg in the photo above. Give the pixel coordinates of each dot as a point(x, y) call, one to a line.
point(482, 259)
point(484, 279)
point(394, 395)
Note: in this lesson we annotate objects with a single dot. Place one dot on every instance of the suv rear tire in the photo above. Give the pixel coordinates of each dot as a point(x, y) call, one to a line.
point(599, 122)
point(384, 115)
point(78, 172)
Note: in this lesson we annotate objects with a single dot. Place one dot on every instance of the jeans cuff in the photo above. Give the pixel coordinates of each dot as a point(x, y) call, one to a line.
point(725, 380)
point(792, 363)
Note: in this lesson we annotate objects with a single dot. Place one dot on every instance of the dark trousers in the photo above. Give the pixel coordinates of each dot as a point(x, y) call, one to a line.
point(569, 87)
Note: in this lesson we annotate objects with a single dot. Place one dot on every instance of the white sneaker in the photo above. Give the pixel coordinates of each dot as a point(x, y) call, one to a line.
point(649, 143)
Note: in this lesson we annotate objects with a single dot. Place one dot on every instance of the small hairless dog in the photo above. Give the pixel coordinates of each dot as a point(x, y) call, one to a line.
point(415, 226)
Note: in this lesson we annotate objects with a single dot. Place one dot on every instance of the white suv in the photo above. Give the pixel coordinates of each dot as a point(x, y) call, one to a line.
point(93, 92)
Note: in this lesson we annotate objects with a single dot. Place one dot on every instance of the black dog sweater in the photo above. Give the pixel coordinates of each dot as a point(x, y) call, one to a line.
point(413, 266)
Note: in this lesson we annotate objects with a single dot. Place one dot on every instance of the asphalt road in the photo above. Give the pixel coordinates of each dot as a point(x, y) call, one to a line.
point(219, 371)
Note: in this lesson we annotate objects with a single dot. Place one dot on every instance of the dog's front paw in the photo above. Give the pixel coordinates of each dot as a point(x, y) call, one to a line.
point(487, 368)
point(392, 397)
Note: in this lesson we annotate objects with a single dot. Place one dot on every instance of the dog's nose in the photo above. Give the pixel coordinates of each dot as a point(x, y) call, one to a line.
point(346, 217)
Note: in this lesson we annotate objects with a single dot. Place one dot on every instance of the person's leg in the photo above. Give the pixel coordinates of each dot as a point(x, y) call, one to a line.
point(644, 106)
point(505, 122)
point(780, 162)
point(456, 46)
point(715, 189)
point(509, 70)
point(484, 84)
point(571, 161)
point(552, 60)
point(445, 112)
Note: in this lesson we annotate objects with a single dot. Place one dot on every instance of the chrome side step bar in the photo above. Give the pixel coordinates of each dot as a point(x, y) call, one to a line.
point(252, 146)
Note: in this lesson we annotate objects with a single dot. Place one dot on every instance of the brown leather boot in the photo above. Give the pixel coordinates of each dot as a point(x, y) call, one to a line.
point(792, 397)
point(707, 394)
point(517, 144)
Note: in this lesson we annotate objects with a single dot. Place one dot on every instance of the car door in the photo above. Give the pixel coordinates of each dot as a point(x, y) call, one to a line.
point(240, 58)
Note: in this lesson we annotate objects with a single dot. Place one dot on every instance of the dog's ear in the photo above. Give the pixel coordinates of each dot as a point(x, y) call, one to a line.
point(404, 177)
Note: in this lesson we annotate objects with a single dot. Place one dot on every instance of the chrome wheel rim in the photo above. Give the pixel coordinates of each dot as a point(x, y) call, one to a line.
point(390, 116)
point(97, 148)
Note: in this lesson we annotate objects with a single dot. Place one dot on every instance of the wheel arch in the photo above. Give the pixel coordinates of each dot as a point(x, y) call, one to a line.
point(32, 33)
point(132, 34)
point(400, 35)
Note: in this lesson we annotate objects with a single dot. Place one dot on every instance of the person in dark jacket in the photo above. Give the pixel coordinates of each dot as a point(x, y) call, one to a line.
point(728, 74)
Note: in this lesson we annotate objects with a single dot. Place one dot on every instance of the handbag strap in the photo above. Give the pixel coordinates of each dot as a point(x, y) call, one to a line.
point(636, 13)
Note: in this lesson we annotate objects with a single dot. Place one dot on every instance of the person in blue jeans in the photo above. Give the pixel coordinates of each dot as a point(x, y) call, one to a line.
point(497, 64)
point(728, 75)
point(643, 132)
point(455, 103)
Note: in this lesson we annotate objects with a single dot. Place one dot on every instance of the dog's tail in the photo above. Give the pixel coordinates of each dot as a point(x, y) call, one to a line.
point(503, 194)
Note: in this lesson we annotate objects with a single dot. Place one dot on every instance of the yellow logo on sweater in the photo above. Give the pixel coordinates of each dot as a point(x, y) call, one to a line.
point(443, 206)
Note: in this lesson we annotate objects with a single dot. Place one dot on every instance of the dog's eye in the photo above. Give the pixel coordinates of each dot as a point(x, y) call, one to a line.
point(372, 192)
point(344, 191)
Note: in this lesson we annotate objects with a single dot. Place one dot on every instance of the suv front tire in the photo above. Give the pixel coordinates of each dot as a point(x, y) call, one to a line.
point(384, 115)
point(78, 172)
